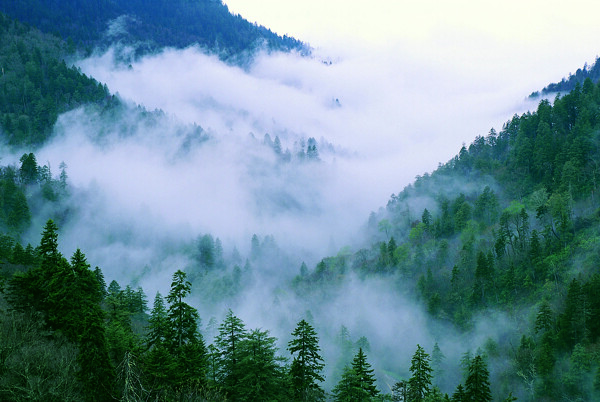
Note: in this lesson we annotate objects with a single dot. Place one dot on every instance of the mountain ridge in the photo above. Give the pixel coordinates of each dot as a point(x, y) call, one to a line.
point(151, 25)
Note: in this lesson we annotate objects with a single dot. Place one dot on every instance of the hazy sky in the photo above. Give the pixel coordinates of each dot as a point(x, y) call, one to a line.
point(549, 38)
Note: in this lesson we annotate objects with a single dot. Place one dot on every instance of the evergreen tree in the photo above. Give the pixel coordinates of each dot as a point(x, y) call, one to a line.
point(263, 376)
point(185, 341)
point(437, 360)
point(400, 391)
point(477, 384)
point(364, 374)
point(459, 395)
point(419, 383)
point(158, 324)
point(232, 333)
point(347, 388)
point(307, 364)
point(358, 382)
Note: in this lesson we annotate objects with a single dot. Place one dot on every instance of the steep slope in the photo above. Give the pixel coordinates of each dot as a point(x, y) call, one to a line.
point(36, 84)
point(151, 24)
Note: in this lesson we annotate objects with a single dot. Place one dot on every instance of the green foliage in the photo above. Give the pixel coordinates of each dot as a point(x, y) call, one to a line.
point(263, 376)
point(68, 296)
point(307, 364)
point(357, 382)
point(36, 86)
point(232, 333)
point(420, 382)
point(477, 386)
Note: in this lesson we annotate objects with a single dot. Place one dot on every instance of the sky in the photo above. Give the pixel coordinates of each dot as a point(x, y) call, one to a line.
point(544, 38)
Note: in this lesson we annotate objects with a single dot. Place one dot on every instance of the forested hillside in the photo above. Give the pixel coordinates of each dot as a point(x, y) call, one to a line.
point(37, 85)
point(150, 25)
point(507, 227)
point(499, 246)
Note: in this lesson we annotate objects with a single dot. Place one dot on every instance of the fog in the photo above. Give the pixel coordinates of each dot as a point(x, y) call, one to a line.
point(145, 186)
point(386, 117)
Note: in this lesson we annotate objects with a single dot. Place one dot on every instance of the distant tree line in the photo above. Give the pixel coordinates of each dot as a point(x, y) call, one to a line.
point(568, 84)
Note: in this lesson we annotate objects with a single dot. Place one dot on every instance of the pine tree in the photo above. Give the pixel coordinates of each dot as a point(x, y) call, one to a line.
point(185, 341)
point(477, 384)
point(358, 382)
point(158, 324)
point(347, 389)
point(437, 360)
point(262, 374)
point(459, 395)
point(232, 333)
point(419, 383)
point(307, 365)
point(364, 373)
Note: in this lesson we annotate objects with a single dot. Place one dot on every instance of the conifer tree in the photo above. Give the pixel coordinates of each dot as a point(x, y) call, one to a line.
point(307, 364)
point(185, 341)
point(358, 382)
point(459, 395)
point(232, 333)
point(347, 388)
point(158, 324)
point(419, 383)
point(263, 376)
point(364, 374)
point(477, 384)
point(437, 360)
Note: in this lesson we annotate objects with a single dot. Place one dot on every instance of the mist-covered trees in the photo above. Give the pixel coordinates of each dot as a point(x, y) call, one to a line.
point(157, 24)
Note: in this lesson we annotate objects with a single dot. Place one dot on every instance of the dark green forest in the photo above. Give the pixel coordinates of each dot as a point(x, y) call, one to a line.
point(36, 84)
point(150, 25)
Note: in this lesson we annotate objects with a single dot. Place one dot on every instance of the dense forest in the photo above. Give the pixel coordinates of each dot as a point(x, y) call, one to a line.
point(37, 85)
point(508, 229)
point(148, 25)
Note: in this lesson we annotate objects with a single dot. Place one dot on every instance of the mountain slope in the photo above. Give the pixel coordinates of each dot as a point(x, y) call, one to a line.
point(510, 226)
point(36, 84)
point(153, 24)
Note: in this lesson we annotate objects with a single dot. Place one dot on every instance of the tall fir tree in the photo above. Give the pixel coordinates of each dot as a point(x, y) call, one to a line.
point(420, 382)
point(185, 342)
point(263, 376)
point(305, 371)
point(357, 383)
point(477, 386)
point(229, 342)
